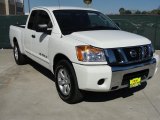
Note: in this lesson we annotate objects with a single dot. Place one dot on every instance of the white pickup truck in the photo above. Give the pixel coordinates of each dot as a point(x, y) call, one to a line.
point(84, 49)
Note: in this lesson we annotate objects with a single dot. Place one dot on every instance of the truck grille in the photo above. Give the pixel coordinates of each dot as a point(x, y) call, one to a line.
point(129, 55)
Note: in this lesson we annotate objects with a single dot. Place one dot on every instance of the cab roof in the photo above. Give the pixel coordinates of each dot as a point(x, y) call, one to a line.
point(52, 8)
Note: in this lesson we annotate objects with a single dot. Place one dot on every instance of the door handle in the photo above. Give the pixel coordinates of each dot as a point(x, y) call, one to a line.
point(33, 36)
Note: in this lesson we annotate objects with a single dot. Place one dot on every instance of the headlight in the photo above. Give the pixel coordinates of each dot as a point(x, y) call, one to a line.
point(87, 53)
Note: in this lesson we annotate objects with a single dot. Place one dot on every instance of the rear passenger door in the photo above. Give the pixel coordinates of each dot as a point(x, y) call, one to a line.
point(41, 39)
point(30, 32)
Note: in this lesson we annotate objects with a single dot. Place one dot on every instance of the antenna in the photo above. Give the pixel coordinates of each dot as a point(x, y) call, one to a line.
point(29, 7)
point(59, 4)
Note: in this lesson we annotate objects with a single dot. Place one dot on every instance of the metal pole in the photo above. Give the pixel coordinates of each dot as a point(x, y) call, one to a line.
point(15, 3)
point(29, 5)
point(59, 3)
point(7, 7)
point(23, 8)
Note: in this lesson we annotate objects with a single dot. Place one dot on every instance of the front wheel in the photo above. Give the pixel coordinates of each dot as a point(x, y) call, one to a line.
point(66, 83)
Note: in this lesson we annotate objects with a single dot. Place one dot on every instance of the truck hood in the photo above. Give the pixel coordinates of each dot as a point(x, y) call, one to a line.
point(109, 38)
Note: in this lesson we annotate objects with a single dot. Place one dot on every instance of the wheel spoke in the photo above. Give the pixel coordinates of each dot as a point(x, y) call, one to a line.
point(62, 75)
point(64, 81)
point(60, 82)
point(68, 88)
point(65, 89)
point(67, 82)
point(16, 53)
point(65, 75)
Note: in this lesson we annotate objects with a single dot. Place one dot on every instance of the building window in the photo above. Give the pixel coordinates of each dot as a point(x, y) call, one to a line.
point(15, 7)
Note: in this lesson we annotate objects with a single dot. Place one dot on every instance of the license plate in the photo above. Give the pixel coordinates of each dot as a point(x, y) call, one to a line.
point(135, 82)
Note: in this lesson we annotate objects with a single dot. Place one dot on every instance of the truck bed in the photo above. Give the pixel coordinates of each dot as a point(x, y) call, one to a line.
point(16, 31)
point(21, 26)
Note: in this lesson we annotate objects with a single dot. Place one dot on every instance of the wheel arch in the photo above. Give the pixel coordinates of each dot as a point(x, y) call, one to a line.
point(19, 43)
point(75, 95)
point(15, 40)
point(59, 57)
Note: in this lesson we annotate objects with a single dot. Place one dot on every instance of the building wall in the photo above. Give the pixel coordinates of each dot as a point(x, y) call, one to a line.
point(13, 7)
point(20, 8)
point(2, 7)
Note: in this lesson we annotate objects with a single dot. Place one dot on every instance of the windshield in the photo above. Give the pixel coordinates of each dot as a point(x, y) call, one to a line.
point(82, 20)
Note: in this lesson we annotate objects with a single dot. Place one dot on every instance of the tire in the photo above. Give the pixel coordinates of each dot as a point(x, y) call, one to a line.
point(18, 56)
point(66, 83)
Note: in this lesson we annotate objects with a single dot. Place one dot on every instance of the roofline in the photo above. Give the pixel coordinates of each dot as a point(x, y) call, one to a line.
point(52, 8)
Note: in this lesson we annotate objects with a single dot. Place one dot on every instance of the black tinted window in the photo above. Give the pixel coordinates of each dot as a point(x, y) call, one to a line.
point(43, 18)
point(82, 20)
point(32, 20)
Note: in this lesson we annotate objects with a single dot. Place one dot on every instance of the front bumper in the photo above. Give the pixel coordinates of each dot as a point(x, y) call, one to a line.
point(144, 70)
point(89, 76)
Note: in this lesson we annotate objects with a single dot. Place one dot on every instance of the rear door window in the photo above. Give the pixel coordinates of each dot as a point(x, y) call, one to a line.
point(43, 18)
point(32, 20)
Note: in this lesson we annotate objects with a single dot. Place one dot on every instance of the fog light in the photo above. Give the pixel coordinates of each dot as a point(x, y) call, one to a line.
point(101, 81)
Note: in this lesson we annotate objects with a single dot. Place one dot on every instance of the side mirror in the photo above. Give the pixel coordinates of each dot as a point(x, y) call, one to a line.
point(42, 28)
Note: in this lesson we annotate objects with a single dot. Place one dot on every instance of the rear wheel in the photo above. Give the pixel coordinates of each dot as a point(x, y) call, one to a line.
point(18, 56)
point(66, 83)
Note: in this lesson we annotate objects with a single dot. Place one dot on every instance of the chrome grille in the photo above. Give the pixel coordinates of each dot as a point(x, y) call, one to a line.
point(129, 55)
